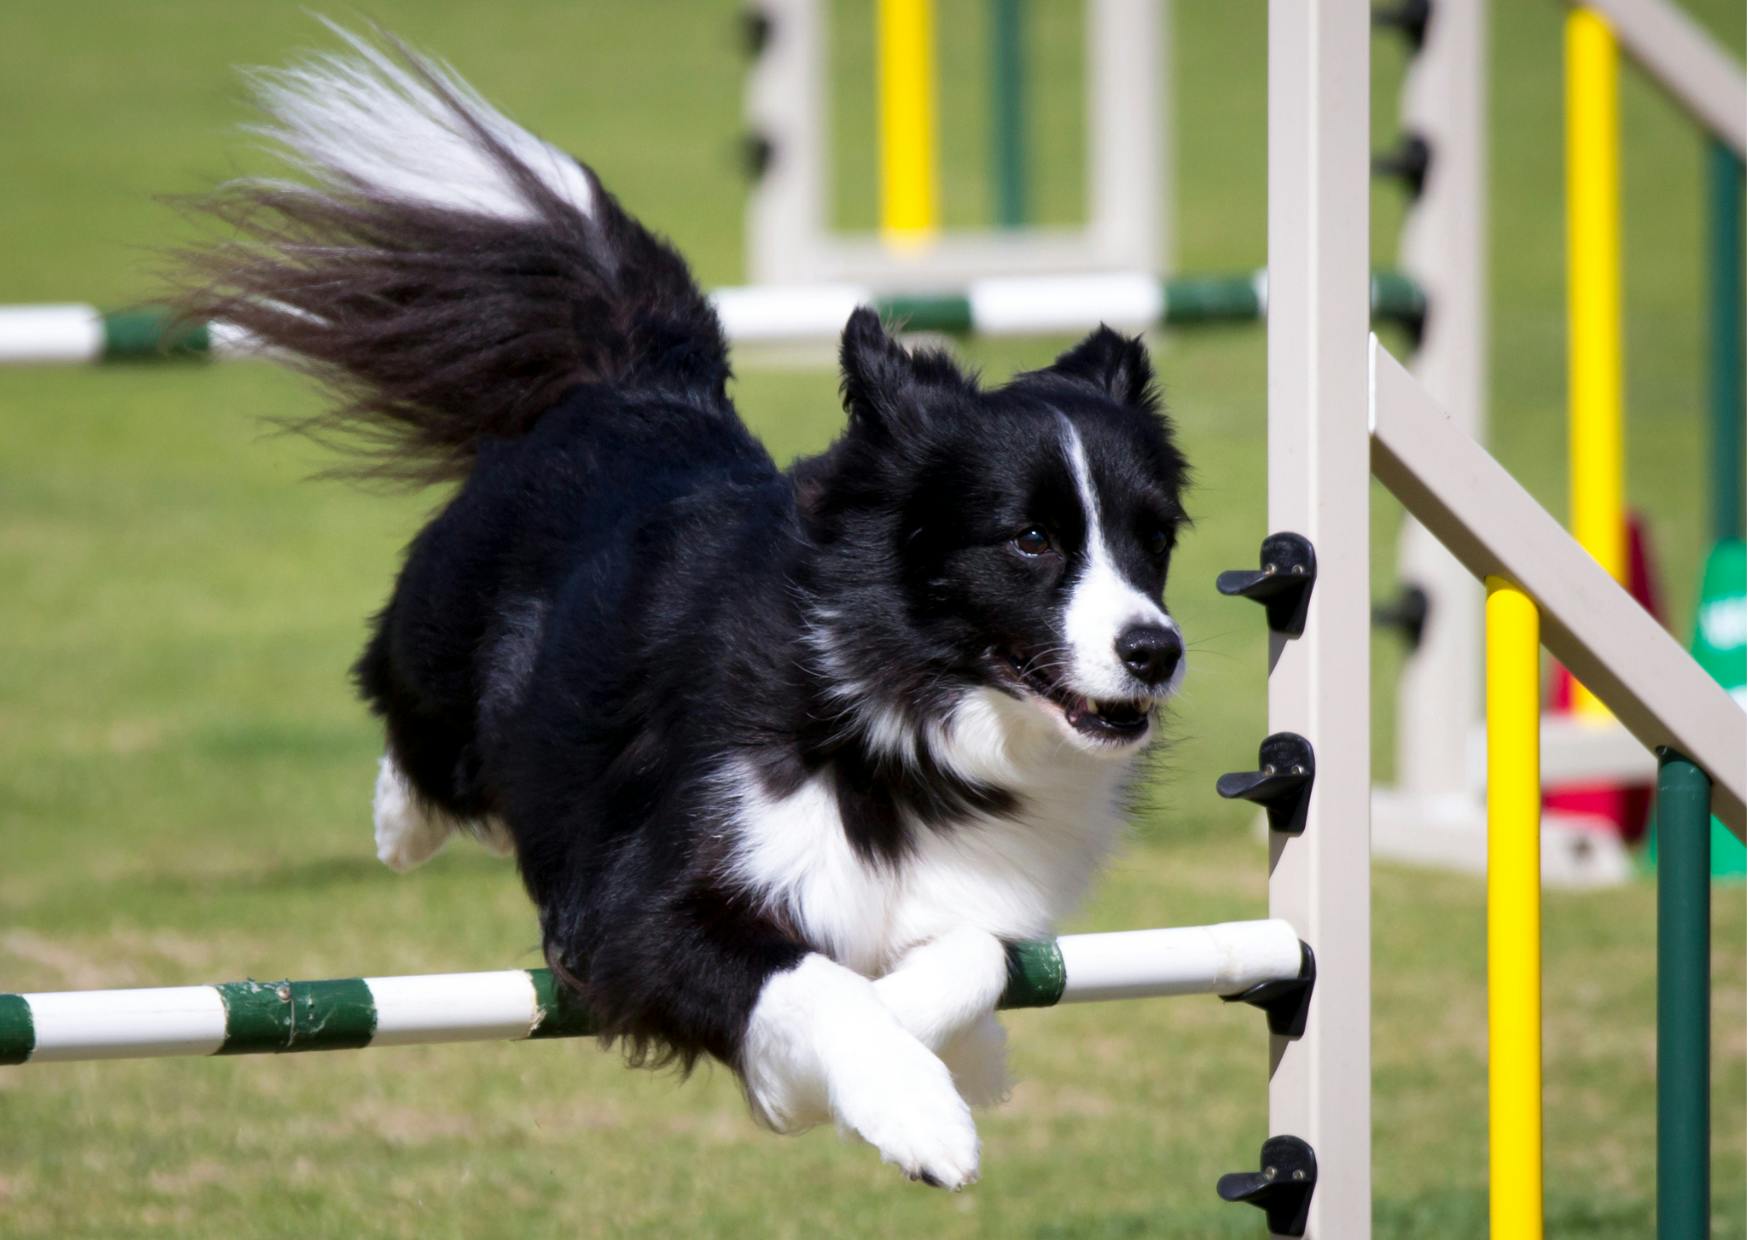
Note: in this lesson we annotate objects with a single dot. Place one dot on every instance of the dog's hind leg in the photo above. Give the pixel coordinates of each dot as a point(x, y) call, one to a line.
point(408, 831)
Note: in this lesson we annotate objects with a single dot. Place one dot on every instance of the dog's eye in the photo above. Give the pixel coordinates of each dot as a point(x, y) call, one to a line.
point(1158, 542)
point(1031, 541)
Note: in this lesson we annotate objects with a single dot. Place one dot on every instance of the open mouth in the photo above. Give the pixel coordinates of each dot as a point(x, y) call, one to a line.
point(1119, 721)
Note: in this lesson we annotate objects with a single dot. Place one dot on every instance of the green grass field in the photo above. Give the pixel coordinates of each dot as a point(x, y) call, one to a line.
point(185, 776)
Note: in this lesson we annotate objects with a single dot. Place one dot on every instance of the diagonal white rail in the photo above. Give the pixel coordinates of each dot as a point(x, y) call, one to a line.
point(1495, 528)
point(1676, 51)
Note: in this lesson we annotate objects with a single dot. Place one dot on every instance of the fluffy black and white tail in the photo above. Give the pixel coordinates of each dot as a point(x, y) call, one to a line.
point(444, 272)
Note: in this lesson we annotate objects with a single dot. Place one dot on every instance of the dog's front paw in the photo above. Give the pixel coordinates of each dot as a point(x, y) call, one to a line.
point(946, 985)
point(905, 1106)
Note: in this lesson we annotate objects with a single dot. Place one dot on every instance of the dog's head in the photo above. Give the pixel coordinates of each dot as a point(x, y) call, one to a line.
point(1015, 540)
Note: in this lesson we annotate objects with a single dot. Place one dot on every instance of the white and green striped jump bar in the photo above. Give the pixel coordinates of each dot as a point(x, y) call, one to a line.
point(249, 1018)
point(768, 314)
point(47, 335)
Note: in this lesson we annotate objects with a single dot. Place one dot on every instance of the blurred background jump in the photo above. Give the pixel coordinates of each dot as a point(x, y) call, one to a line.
point(789, 238)
point(1597, 780)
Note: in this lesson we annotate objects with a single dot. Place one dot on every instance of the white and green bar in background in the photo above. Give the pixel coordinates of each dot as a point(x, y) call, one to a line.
point(251, 1018)
point(770, 314)
point(63, 334)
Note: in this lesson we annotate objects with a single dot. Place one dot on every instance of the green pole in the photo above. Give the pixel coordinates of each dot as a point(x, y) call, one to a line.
point(1008, 111)
point(1684, 833)
point(1724, 173)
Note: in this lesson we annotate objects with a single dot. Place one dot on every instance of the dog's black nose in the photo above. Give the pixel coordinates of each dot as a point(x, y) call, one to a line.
point(1151, 651)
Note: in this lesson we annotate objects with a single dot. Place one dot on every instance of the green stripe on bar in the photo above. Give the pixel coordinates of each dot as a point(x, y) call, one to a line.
point(927, 312)
point(1684, 832)
point(265, 1017)
point(17, 1029)
point(562, 1014)
point(1397, 299)
point(1036, 977)
point(330, 1016)
point(150, 332)
point(1212, 299)
point(257, 1016)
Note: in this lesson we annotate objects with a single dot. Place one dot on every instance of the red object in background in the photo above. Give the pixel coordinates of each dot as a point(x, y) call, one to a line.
point(1627, 807)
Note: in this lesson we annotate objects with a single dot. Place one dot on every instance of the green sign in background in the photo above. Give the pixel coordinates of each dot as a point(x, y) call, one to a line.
point(1720, 645)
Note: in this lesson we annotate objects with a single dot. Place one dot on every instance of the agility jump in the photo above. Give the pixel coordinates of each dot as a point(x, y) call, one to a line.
point(1261, 962)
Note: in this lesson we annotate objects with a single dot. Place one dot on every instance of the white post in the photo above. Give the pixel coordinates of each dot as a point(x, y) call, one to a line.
point(1319, 475)
point(786, 106)
point(1126, 164)
point(1438, 700)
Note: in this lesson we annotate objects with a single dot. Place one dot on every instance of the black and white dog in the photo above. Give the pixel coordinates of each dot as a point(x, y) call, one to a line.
point(784, 756)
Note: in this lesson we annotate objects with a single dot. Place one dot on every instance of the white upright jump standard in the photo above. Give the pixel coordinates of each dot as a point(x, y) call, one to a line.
point(1319, 69)
point(1438, 697)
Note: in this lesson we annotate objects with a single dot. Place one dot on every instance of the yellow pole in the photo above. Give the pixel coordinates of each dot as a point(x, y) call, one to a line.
point(1514, 913)
point(909, 195)
point(1593, 298)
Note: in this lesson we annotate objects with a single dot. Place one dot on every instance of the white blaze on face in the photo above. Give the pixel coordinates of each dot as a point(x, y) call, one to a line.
point(1103, 603)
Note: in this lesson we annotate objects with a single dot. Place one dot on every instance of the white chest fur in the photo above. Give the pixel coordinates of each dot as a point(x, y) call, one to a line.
point(1012, 876)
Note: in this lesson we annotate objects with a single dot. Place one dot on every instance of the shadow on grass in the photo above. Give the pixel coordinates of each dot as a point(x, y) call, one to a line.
point(313, 874)
point(1246, 1222)
point(281, 740)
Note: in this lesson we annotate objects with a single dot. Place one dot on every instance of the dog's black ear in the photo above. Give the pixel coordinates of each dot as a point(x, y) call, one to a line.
point(1115, 364)
point(885, 386)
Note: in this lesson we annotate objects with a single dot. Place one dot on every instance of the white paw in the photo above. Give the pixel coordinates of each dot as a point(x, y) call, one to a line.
point(406, 836)
point(902, 1102)
point(819, 1044)
point(978, 1059)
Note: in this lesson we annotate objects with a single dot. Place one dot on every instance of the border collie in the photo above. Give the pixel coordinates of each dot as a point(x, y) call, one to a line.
point(785, 756)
